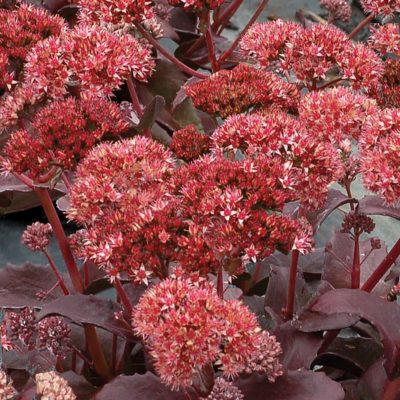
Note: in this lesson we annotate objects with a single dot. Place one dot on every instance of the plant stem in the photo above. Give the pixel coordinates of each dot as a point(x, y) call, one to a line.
point(361, 25)
point(96, 352)
point(183, 67)
point(123, 296)
point(382, 268)
point(228, 52)
point(58, 230)
point(134, 97)
point(220, 282)
point(292, 284)
point(220, 23)
point(356, 270)
point(56, 273)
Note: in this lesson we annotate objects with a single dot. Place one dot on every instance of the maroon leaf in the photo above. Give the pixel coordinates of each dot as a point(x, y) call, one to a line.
point(372, 383)
point(88, 309)
point(293, 385)
point(204, 379)
point(137, 387)
point(376, 205)
point(19, 285)
point(299, 348)
point(356, 304)
point(150, 113)
point(55, 5)
point(338, 272)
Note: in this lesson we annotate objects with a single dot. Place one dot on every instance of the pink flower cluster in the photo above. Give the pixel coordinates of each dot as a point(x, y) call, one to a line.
point(311, 53)
point(338, 9)
point(380, 156)
point(386, 39)
point(383, 7)
point(62, 133)
point(37, 236)
point(187, 326)
point(232, 92)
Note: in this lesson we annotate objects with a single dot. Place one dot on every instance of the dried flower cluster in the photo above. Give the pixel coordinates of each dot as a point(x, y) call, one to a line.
point(186, 326)
point(52, 333)
point(7, 390)
point(232, 92)
point(37, 236)
point(51, 386)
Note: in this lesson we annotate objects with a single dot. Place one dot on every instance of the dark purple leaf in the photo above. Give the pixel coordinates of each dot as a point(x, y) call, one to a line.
point(181, 94)
point(372, 383)
point(312, 322)
point(16, 196)
point(54, 5)
point(204, 379)
point(334, 200)
point(150, 113)
point(293, 385)
point(276, 295)
point(19, 285)
point(80, 386)
point(356, 304)
point(351, 354)
point(338, 272)
point(299, 348)
point(137, 387)
point(182, 21)
point(88, 309)
point(376, 205)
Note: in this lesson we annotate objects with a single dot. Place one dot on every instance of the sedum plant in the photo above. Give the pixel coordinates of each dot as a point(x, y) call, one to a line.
point(195, 184)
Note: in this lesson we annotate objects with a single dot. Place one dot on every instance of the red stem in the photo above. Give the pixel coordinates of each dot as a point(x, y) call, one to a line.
point(169, 56)
point(356, 270)
point(58, 230)
point(361, 25)
point(382, 268)
point(56, 273)
point(86, 274)
point(123, 296)
point(228, 52)
point(292, 284)
point(220, 283)
point(227, 15)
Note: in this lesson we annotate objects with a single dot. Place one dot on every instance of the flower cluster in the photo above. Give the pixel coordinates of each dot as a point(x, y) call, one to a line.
point(386, 39)
point(266, 42)
point(227, 207)
point(335, 114)
point(122, 195)
point(387, 93)
point(63, 132)
point(338, 9)
point(309, 165)
point(88, 56)
point(188, 144)
point(51, 386)
point(7, 390)
point(25, 26)
point(187, 326)
point(114, 12)
point(37, 236)
point(232, 92)
point(380, 156)
point(22, 326)
point(383, 7)
point(224, 390)
point(311, 53)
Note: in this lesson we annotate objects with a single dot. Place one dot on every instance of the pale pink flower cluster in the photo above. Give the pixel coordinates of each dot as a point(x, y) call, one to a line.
point(51, 386)
point(338, 9)
point(386, 39)
point(187, 326)
point(37, 236)
point(224, 390)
